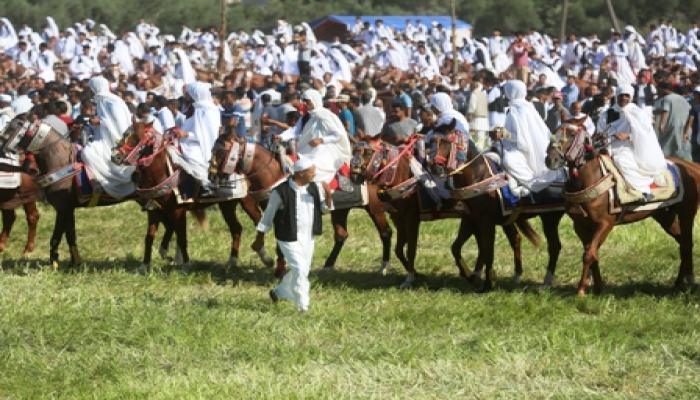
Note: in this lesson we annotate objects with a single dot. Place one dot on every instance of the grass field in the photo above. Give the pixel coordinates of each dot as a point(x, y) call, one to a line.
point(102, 331)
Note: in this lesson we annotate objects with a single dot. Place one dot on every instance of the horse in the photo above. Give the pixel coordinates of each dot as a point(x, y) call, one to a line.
point(589, 204)
point(476, 184)
point(261, 168)
point(57, 165)
point(399, 189)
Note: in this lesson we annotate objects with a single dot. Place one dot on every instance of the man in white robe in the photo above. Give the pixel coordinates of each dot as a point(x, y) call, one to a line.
point(300, 196)
point(525, 150)
point(322, 138)
point(199, 132)
point(634, 146)
point(444, 109)
point(115, 119)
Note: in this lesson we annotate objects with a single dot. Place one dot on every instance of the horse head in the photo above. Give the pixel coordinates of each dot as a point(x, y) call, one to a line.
point(139, 141)
point(366, 157)
point(446, 149)
point(569, 146)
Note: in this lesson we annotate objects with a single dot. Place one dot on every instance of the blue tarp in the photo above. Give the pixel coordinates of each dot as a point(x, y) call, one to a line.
point(397, 22)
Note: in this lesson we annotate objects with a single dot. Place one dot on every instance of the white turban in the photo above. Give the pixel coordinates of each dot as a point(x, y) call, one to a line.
point(6, 98)
point(625, 89)
point(22, 105)
point(302, 164)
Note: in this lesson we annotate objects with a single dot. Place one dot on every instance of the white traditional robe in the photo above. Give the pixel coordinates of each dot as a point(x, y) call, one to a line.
point(525, 151)
point(202, 129)
point(299, 254)
point(639, 159)
point(335, 150)
point(115, 119)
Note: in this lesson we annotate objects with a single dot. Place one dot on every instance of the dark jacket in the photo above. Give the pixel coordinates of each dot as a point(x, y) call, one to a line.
point(285, 221)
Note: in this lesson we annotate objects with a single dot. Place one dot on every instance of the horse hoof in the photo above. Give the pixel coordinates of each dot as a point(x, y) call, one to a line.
point(163, 253)
point(384, 269)
point(516, 279)
point(406, 285)
point(144, 269)
point(268, 262)
point(54, 265)
point(581, 293)
point(328, 267)
point(179, 259)
point(232, 262)
point(185, 268)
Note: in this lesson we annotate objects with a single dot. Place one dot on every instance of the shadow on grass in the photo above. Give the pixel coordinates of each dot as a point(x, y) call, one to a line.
point(339, 278)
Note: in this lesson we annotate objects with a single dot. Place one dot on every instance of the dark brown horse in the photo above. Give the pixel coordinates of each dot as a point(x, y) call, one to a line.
point(589, 203)
point(399, 188)
point(476, 184)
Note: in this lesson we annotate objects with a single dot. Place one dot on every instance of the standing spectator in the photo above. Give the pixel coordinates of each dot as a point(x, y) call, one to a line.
point(672, 112)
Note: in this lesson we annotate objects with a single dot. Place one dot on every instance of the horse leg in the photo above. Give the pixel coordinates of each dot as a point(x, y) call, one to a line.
point(154, 218)
point(252, 208)
point(71, 237)
point(165, 242)
point(413, 227)
point(681, 229)
point(485, 241)
point(384, 229)
point(59, 228)
point(466, 229)
point(339, 219)
point(178, 218)
point(8, 219)
point(592, 242)
point(400, 225)
point(228, 211)
point(550, 225)
point(511, 232)
point(31, 213)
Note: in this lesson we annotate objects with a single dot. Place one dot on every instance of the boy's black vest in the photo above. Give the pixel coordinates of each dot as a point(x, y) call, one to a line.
point(285, 220)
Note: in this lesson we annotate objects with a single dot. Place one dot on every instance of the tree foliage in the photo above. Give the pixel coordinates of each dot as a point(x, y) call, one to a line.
point(585, 16)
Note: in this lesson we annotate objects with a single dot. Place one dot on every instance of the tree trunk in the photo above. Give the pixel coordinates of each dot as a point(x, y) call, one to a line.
point(221, 64)
point(455, 64)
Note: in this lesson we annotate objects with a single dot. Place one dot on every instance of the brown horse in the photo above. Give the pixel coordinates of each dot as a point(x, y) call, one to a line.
point(589, 204)
point(473, 183)
point(25, 195)
point(264, 172)
point(399, 188)
point(57, 165)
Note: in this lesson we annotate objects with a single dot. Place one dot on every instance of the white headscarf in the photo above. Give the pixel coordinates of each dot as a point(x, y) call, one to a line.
point(446, 112)
point(530, 134)
point(8, 36)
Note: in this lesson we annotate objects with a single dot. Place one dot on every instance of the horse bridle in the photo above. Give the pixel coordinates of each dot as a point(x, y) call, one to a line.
point(30, 137)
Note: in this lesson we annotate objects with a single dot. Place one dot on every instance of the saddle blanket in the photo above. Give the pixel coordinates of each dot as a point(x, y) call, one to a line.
point(10, 180)
point(357, 197)
point(626, 194)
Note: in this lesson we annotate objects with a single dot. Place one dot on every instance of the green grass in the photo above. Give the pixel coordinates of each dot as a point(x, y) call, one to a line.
point(105, 332)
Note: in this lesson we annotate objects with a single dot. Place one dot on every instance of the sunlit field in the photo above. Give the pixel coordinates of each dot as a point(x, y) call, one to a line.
point(103, 331)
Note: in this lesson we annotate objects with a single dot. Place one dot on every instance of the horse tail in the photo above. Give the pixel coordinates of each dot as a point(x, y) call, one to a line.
point(526, 229)
point(201, 216)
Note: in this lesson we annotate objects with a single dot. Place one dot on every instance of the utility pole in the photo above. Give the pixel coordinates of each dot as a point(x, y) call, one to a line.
point(613, 17)
point(221, 64)
point(454, 42)
point(564, 17)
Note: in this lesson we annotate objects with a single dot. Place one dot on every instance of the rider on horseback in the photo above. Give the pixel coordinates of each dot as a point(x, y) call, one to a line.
point(634, 146)
point(524, 152)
